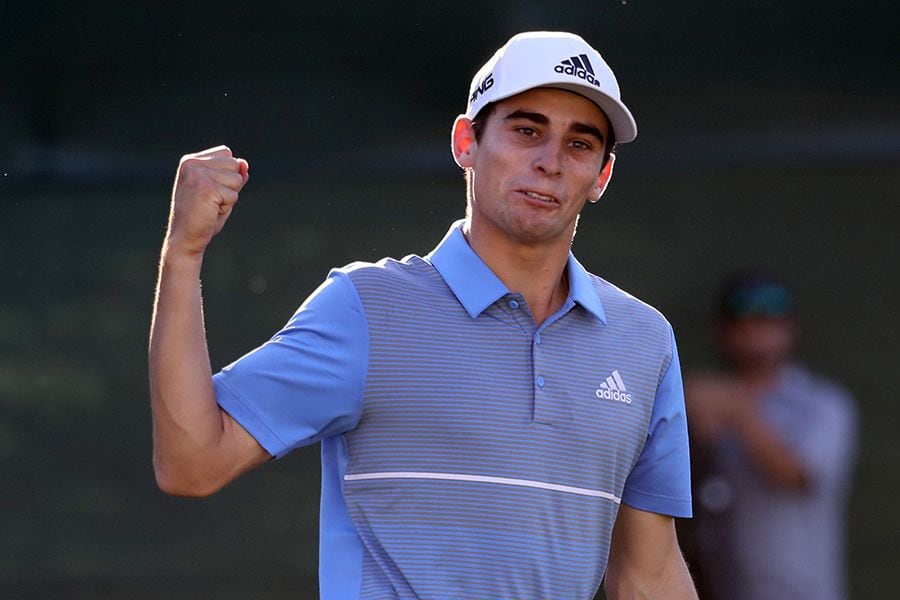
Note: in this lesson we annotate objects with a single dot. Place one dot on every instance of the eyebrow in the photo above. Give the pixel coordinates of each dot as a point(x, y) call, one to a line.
point(542, 119)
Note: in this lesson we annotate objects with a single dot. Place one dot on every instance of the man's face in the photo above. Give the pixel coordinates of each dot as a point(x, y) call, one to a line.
point(537, 162)
point(756, 343)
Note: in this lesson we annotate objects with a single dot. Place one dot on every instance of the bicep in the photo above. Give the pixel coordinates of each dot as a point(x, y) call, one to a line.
point(205, 469)
point(642, 538)
point(244, 452)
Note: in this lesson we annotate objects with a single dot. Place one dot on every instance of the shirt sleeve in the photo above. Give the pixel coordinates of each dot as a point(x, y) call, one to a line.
point(307, 382)
point(826, 441)
point(660, 482)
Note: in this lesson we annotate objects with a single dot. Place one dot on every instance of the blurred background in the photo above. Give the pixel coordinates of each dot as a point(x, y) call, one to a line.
point(769, 136)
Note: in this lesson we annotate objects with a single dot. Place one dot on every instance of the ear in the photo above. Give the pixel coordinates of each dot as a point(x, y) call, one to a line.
point(463, 142)
point(602, 179)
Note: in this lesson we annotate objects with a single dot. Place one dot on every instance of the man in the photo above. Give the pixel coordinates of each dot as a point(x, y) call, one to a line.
point(495, 421)
point(776, 447)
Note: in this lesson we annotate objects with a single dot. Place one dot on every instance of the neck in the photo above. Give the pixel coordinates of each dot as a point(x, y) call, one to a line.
point(537, 271)
point(760, 377)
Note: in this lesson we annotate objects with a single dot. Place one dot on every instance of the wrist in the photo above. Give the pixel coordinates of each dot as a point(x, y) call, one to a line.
point(177, 250)
point(746, 416)
point(178, 257)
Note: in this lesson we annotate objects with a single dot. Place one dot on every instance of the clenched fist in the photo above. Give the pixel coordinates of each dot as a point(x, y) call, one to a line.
point(206, 189)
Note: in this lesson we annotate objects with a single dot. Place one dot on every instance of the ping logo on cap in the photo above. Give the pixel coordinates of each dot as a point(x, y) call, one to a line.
point(482, 87)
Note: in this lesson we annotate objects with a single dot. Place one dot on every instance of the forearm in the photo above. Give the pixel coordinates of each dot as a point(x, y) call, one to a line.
point(670, 581)
point(645, 562)
point(187, 422)
point(197, 447)
point(770, 455)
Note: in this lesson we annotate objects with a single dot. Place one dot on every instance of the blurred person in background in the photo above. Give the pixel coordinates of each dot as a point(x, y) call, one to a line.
point(773, 452)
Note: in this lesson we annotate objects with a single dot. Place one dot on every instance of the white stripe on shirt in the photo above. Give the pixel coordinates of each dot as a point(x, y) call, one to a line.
point(483, 479)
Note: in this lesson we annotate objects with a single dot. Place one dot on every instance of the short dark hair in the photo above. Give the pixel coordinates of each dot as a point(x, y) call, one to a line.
point(755, 293)
point(480, 122)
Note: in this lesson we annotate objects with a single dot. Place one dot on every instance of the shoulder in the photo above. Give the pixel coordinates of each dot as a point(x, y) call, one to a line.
point(387, 271)
point(624, 309)
point(800, 376)
point(393, 280)
point(827, 396)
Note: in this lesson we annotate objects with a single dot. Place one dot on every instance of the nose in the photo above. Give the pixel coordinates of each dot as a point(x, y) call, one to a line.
point(548, 159)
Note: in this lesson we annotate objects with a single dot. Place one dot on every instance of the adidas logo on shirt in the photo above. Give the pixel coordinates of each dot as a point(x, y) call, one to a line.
point(614, 389)
point(578, 66)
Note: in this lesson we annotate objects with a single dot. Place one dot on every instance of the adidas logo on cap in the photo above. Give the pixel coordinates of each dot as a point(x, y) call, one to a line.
point(578, 66)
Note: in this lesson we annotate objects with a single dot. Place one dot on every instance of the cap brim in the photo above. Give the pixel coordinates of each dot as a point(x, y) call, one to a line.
point(619, 116)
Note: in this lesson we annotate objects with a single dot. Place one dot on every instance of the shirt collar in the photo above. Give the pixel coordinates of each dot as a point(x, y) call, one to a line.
point(582, 291)
point(476, 287)
point(474, 284)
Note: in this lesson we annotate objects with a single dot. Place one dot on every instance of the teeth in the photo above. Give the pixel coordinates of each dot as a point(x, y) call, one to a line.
point(539, 196)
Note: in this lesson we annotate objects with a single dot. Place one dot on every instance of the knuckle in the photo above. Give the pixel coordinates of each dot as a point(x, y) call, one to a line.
point(188, 165)
point(194, 172)
point(188, 174)
point(191, 157)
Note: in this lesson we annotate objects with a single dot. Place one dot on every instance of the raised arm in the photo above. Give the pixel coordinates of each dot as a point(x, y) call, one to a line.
point(718, 405)
point(197, 447)
point(645, 562)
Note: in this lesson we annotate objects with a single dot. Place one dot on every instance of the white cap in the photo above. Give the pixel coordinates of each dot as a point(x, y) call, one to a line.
point(551, 59)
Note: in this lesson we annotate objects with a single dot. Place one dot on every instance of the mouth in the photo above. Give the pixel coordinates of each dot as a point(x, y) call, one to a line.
point(539, 197)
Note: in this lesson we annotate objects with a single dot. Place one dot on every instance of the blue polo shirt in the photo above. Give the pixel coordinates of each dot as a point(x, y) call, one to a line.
point(466, 451)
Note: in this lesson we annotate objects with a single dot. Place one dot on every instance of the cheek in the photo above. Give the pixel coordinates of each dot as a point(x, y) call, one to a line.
point(586, 173)
point(493, 169)
point(586, 187)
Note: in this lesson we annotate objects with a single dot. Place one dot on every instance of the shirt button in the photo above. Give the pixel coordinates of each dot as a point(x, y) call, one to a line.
point(513, 304)
point(537, 339)
point(540, 381)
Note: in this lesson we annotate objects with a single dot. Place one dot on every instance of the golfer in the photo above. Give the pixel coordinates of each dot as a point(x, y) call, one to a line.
point(496, 422)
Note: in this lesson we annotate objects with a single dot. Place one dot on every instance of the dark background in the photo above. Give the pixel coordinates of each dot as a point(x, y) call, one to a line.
point(769, 135)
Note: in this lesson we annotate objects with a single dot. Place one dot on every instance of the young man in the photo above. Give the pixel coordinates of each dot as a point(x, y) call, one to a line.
point(776, 449)
point(495, 421)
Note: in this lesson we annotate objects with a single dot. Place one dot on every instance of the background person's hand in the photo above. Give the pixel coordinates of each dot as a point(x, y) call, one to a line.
point(714, 404)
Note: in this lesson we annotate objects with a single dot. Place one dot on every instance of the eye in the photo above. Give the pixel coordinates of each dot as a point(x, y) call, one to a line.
point(527, 131)
point(581, 145)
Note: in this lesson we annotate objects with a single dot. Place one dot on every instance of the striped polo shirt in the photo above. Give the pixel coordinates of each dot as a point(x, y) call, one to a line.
point(466, 451)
